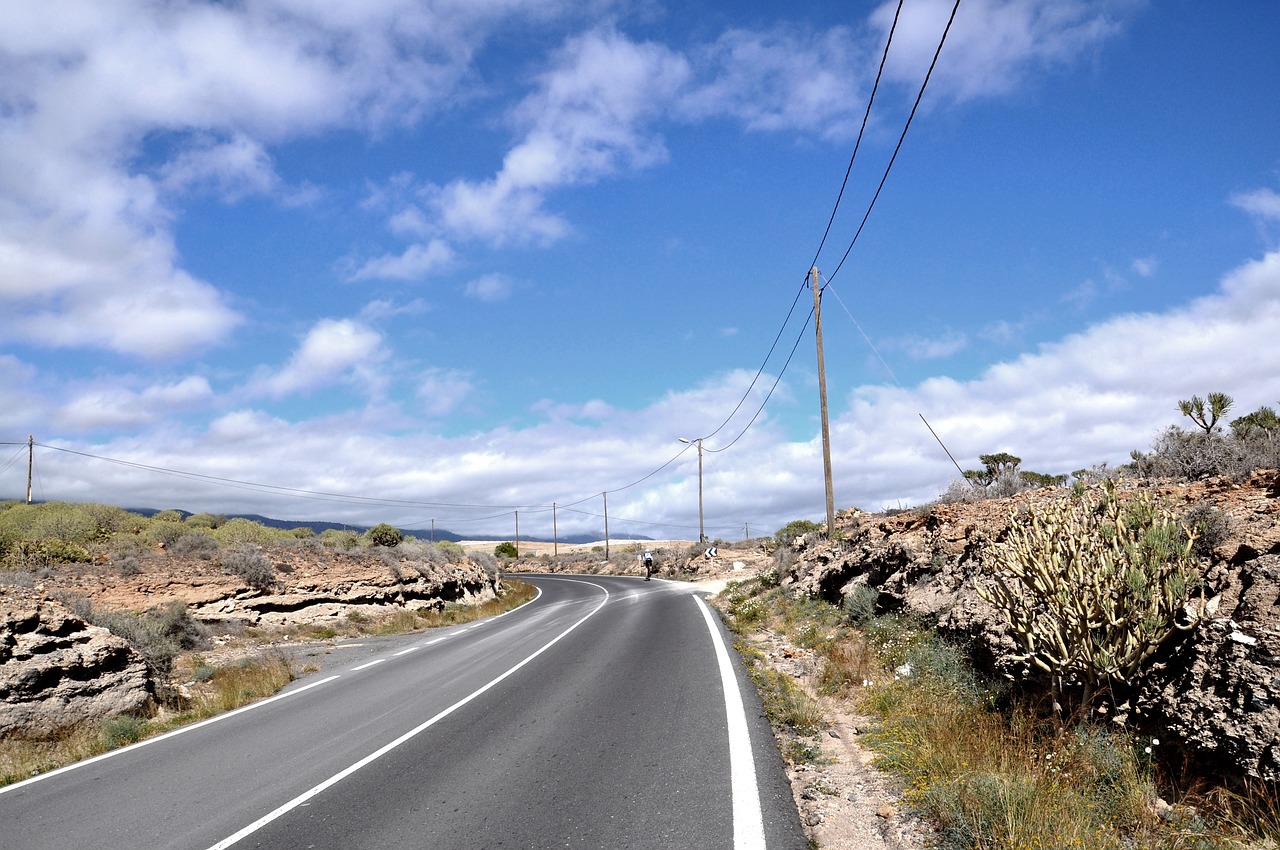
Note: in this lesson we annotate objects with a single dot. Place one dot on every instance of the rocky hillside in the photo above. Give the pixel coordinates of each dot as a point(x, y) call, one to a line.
point(1212, 693)
point(56, 669)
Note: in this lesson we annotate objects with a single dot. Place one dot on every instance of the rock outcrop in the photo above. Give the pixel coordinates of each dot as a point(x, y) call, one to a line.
point(57, 670)
point(1212, 693)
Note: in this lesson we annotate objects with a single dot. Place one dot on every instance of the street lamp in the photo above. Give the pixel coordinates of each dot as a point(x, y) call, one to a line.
point(702, 534)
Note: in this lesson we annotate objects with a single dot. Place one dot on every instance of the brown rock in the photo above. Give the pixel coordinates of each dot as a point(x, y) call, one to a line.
point(57, 671)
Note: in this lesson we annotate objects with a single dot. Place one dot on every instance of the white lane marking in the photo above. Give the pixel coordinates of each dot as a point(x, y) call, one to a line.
point(181, 730)
point(748, 822)
point(407, 651)
point(379, 753)
point(367, 664)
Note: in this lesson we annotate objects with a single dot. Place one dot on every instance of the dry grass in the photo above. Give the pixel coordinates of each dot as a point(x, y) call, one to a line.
point(987, 773)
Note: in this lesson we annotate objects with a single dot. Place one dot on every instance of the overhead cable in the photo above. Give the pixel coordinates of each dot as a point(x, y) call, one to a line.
point(901, 138)
point(857, 144)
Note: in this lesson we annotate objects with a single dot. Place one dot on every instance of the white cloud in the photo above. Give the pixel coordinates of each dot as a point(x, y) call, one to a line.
point(442, 391)
point(758, 78)
point(332, 351)
point(1145, 266)
point(585, 121)
point(994, 45)
point(1090, 397)
point(930, 348)
point(1087, 398)
point(1263, 203)
point(233, 168)
point(87, 256)
point(415, 263)
point(114, 404)
point(490, 287)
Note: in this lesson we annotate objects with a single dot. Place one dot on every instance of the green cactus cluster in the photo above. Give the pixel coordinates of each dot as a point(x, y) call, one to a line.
point(1092, 585)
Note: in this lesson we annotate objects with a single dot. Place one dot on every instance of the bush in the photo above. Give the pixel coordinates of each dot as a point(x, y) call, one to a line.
point(339, 540)
point(247, 531)
point(385, 535)
point(860, 604)
point(795, 528)
point(194, 543)
point(248, 562)
point(506, 549)
point(1091, 587)
point(157, 635)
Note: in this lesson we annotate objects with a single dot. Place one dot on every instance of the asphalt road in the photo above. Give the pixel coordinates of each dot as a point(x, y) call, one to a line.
point(607, 713)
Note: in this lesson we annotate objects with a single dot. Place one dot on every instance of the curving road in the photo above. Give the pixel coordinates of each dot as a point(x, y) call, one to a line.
point(607, 713)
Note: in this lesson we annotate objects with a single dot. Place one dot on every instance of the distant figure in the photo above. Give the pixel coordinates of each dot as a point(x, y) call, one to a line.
point(648, 563)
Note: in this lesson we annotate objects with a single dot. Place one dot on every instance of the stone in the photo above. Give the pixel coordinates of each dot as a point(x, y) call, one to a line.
point(57, 671)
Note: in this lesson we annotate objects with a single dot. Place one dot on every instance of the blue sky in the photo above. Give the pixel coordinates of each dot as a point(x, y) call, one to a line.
point(461, 259)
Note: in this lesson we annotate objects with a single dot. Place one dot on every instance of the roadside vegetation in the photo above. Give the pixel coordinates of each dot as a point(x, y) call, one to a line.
point(38, 540)
point(994, 764)
point(985, 767)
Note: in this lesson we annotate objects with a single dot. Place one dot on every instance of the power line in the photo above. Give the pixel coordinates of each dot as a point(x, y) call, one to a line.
point(901, 139)
point(857, 144)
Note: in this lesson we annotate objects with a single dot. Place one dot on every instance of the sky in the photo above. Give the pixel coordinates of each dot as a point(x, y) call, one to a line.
point(480, 265)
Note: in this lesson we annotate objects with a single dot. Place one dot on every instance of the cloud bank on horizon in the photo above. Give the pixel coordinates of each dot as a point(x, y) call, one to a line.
point(461, 260)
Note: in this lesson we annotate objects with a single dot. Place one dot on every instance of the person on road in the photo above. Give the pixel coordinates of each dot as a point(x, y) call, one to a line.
point(648, 563)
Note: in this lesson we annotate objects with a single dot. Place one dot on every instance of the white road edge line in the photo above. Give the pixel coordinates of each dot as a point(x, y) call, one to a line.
point(377, 754)
point(181, 730)
point(748, 822)
point(367, 664)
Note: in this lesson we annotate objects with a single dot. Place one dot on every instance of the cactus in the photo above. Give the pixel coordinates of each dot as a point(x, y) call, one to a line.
point(1092, 586)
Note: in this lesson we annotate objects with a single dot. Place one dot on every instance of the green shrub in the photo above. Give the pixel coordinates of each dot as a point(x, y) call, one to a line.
point(796, 528)
point(247, 531)
point(506, 549)
point(1091, 587)
point(248, 562)
point(121, 731)
point(157, 635)
point(384, 535)
point(860, 604)
point(164, 532)
point(453, 553)
point(339, 539)
point(194, 543)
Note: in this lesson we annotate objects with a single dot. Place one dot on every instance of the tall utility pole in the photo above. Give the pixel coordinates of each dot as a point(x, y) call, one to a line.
point(555, 533)
point(31, 455)
point(606, 524)
point(702, 533)
point(822, 393)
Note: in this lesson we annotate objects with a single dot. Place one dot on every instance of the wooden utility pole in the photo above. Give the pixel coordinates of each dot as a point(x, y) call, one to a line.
point(822, 393)
point(606, 525)
point(517, 534)
point(555, 533)
point(31, 455)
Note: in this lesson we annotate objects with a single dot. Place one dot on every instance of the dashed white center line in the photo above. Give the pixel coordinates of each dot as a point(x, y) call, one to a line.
point(368, 664)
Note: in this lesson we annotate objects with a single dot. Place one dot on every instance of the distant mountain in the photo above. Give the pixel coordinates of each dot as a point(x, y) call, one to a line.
point(319, 526)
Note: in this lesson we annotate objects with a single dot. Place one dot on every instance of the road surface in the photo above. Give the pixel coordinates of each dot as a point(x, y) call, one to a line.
point(607, 713)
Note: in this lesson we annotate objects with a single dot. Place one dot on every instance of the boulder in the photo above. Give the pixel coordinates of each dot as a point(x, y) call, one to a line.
point(57, 671)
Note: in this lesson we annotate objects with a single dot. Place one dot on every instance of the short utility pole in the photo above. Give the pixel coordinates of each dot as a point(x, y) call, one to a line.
point(822, 394)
